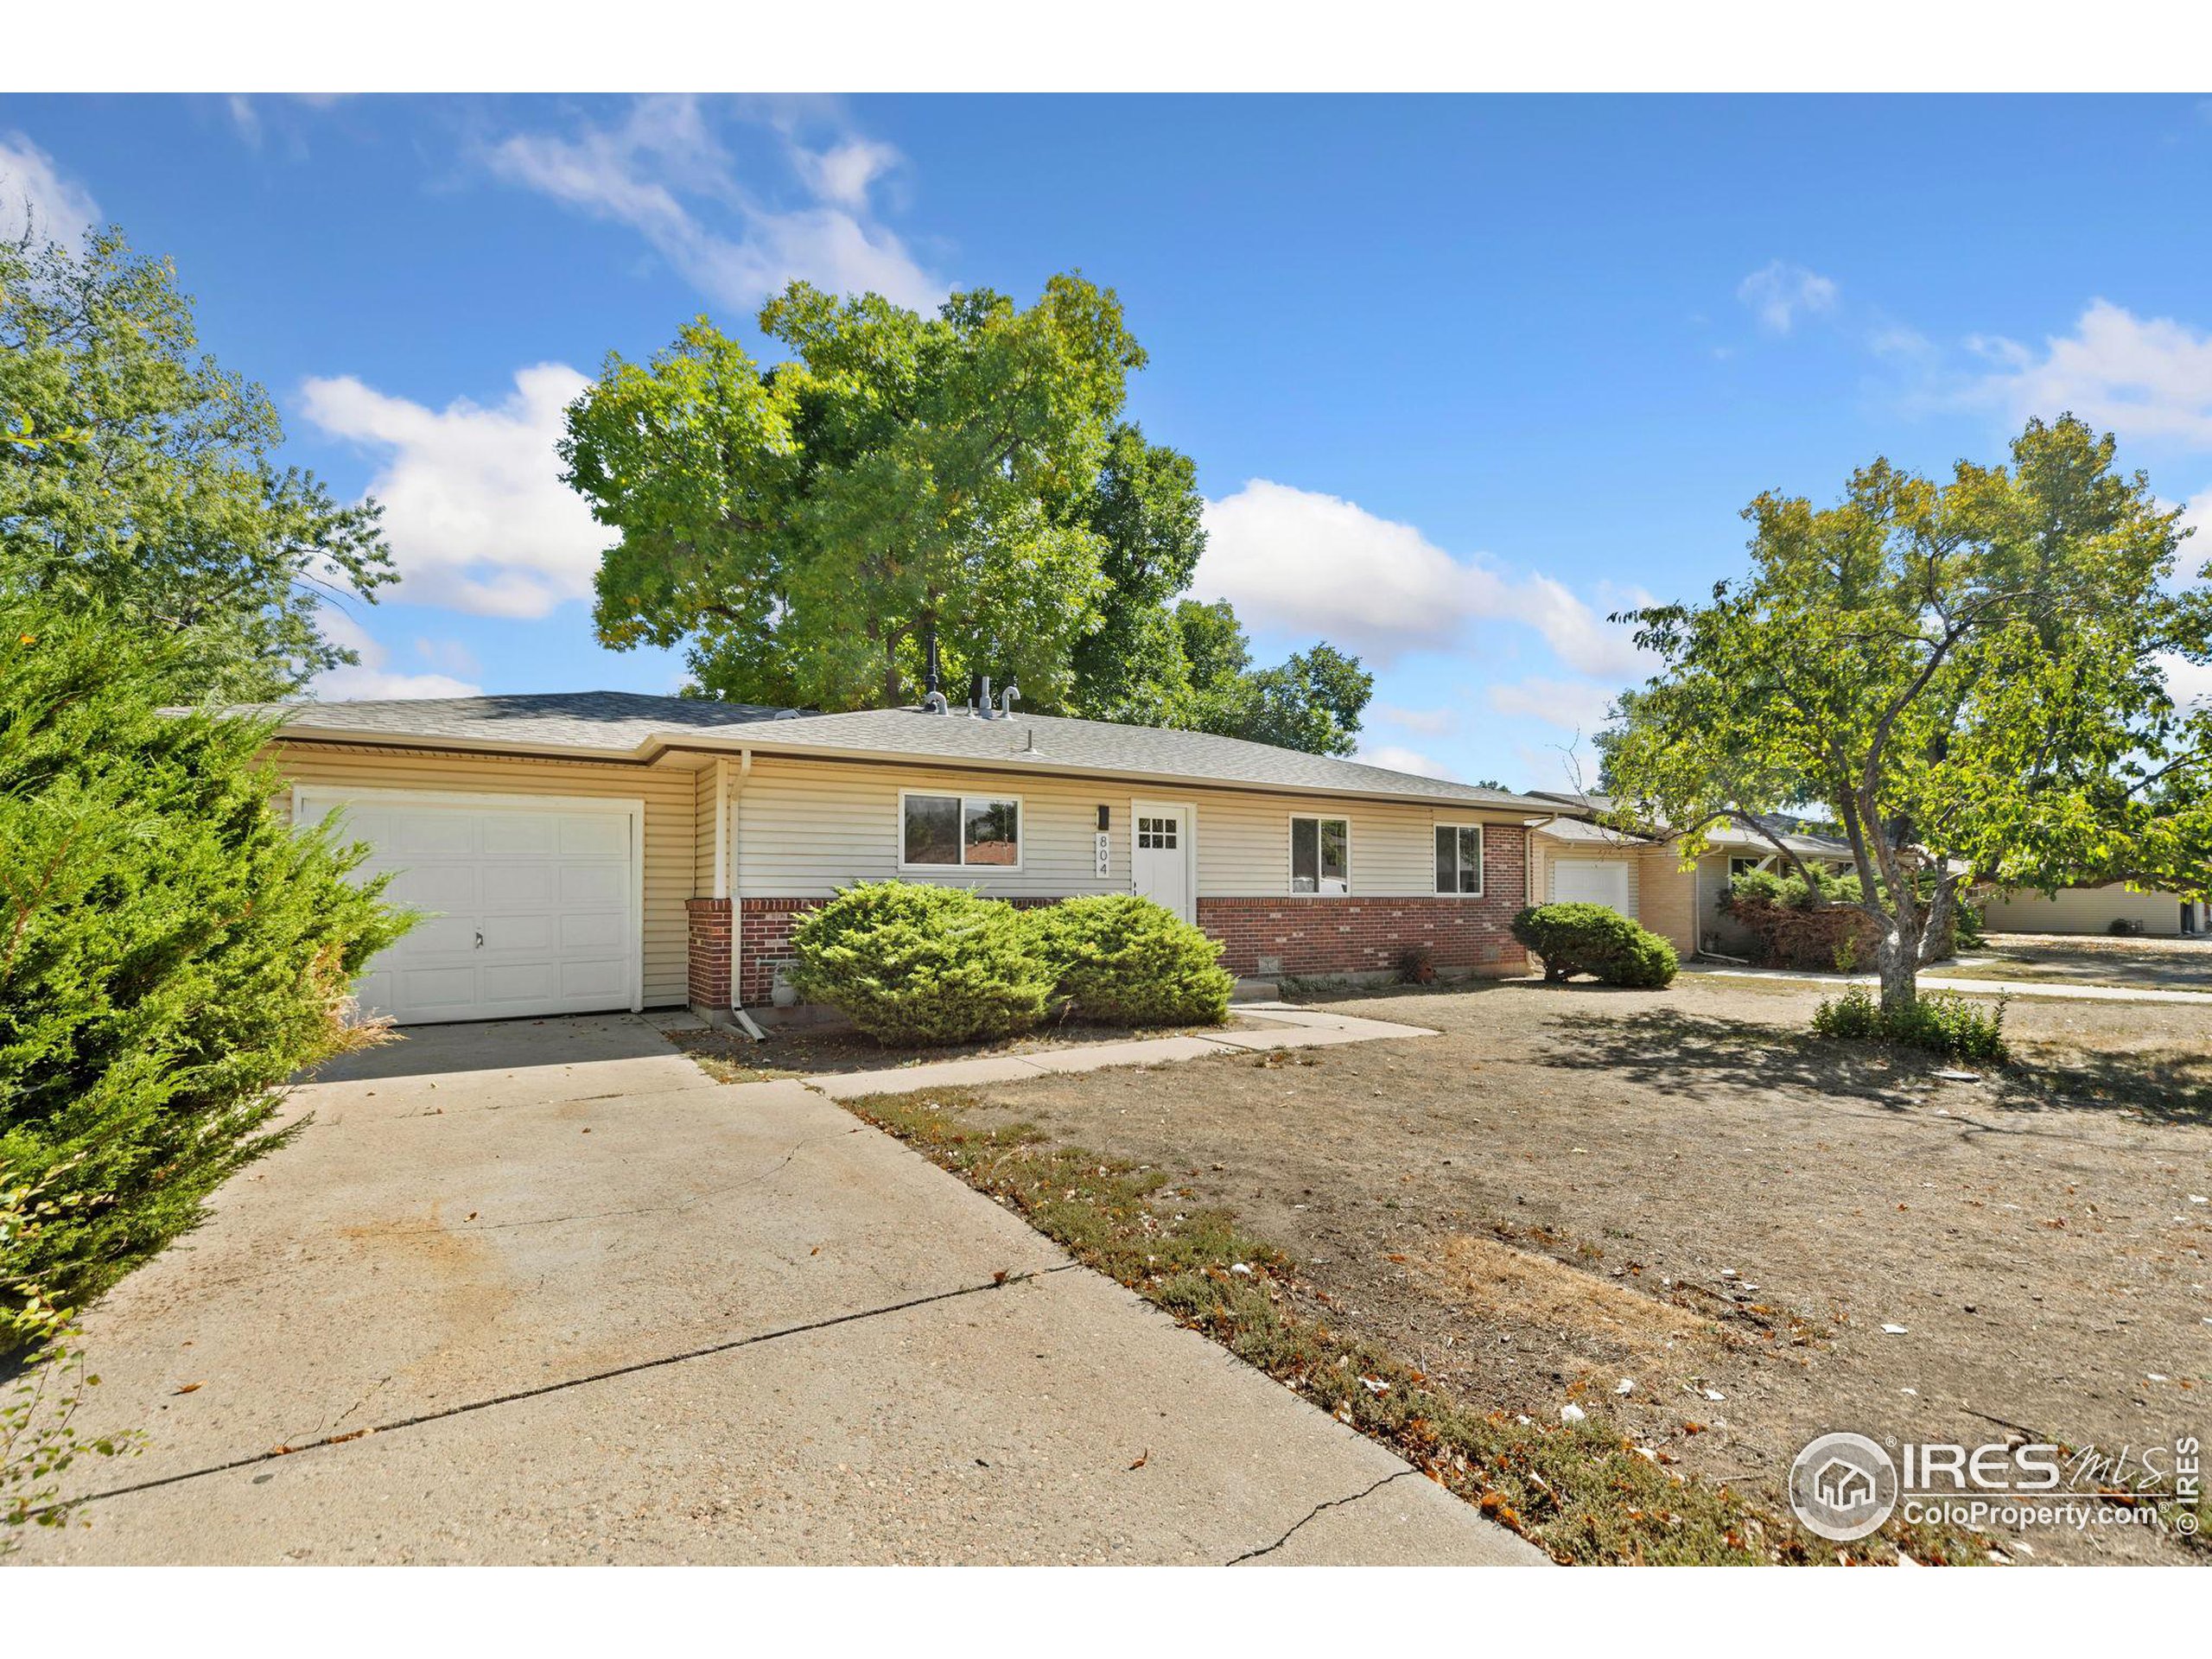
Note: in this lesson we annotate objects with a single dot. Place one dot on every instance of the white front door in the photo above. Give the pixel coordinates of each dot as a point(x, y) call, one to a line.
point(1592, 881)
point(1163, 858)
point(526, 908)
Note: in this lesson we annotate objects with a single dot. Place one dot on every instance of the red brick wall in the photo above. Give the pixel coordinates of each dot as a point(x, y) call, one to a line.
point(709, 964)
point(1312, 936)
point(765, 939)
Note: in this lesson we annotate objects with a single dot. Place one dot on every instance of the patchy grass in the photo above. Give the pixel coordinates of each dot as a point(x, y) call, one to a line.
point(1582, 1492)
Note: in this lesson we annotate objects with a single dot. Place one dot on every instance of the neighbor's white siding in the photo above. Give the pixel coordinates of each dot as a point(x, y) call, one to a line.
point(2081, 910)
point(807, 828)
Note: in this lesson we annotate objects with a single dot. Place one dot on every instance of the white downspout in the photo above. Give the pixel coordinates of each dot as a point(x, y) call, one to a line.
point(733, 794)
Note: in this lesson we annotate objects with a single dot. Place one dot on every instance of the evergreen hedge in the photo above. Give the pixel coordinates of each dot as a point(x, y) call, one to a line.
point(908, 962)
point(171, 950)
point(1594, 939)
point(1122, 960)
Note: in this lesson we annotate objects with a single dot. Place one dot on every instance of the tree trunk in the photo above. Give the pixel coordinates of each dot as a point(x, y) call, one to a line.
point(1938, 936)
point(1899, 960)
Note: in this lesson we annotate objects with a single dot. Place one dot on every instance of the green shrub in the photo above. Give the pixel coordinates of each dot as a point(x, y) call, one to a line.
point(1122, 960)
point(909, 963)
point(1592, 939)
point(1853, 1016)
point(171, 951)
point(1943, 1022)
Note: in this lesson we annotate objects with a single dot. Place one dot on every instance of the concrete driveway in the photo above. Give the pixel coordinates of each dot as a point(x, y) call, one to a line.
point(542, 1291)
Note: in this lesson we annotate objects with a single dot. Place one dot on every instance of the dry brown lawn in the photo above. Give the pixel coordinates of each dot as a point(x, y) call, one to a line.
point(1573, 1187)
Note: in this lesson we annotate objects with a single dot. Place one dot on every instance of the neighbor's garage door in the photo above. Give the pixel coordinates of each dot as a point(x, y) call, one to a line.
point(529, 907)
point(1592, 881)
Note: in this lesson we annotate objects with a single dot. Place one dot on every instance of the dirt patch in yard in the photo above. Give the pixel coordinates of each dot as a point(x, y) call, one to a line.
point(1571, 1188)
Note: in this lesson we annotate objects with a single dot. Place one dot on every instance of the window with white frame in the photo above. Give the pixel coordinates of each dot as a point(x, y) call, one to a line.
point(973, 831)
point(1321, 856)
point(1460, 859)
point(1745, 866)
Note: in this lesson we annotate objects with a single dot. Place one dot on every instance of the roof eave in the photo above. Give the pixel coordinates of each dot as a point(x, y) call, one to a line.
point(761, 740)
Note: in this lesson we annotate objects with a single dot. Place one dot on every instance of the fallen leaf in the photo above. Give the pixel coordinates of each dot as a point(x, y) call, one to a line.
point(189, 1387)
point(1143, 1458)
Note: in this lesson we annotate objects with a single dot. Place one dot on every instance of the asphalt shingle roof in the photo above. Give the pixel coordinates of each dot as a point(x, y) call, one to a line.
point(604, 721)
point(1720, 835)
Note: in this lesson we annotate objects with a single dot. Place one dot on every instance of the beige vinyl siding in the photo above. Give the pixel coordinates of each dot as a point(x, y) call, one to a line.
point(807, 828)
point(2081, 910)
point(704, 852)
point(1666, 897)
point(670, 795)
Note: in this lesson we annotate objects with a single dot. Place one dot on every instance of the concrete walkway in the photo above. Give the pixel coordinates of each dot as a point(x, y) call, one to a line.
point(544, 1291)
point(1302, 1028)
point(1981, 986)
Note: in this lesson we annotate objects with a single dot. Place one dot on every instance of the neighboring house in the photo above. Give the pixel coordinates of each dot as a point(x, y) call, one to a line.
point(2092, 910)
point(1643, 877)
point(602, 850)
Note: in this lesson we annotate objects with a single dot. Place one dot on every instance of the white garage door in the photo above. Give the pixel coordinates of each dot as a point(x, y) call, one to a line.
point(528, 908)
point(1592, 881)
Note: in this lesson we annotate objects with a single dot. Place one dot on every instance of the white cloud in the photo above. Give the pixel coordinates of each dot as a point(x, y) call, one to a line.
point(448, 654)
point(475, 507)
point(1572, 705)
point(1779, 292)
point(36, 194)
point(2143, 378)
point(844, 172)
point(2189, 685)
point(1306, 563)
point(246, 118)
point(647, 170)
point(371, 679)
point(1402, 760)
point(1433, 722)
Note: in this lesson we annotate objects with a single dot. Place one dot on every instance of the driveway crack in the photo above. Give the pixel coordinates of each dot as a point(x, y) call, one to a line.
point(1000, 1282)
point(1333, 1503)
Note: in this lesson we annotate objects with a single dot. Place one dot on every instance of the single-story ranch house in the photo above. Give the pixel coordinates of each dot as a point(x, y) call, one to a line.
point(1644, 878)
point(601, 850)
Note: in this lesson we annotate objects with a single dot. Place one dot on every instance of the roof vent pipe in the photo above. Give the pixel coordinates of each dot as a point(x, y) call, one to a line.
point(932, 681)
point(983, 696)
point(1008, 698)
point(934, 704)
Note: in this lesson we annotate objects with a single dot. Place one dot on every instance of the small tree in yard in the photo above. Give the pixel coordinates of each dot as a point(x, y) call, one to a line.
point(171, 950)
point(1973, 676)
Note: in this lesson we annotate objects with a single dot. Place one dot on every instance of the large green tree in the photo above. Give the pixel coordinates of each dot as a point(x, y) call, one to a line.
point(801, 528)
point(1312, 701)
point(138, 477)
point(1971, 675)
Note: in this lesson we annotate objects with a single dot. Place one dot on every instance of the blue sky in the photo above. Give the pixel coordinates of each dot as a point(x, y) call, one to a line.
point(1460, 375)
